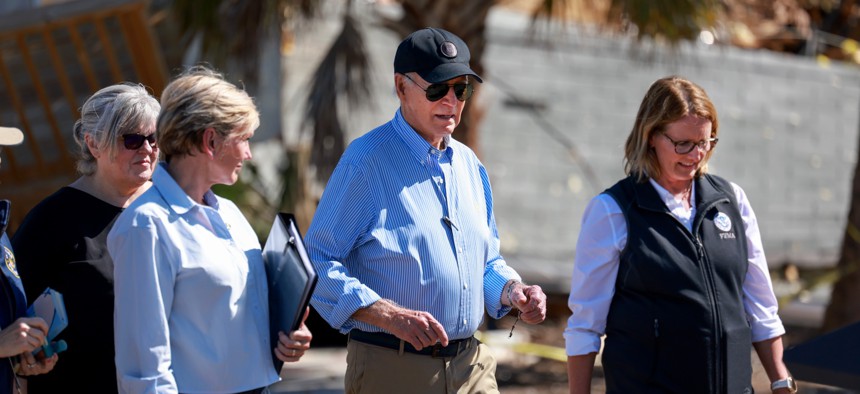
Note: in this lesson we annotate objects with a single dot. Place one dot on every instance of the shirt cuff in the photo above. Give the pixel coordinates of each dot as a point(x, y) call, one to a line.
point(348, 304)
point(494, 284)
point(767, 329)
point(578, 343)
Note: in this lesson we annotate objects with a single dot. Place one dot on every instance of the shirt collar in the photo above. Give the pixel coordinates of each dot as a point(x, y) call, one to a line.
point(417, 145)
point(179, 201)
point(669, 199)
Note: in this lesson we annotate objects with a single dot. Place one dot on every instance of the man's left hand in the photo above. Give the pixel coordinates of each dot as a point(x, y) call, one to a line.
point(531, 301)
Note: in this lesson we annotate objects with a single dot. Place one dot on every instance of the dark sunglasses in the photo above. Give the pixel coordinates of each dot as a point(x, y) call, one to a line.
point(135, 141)
point(436, 91)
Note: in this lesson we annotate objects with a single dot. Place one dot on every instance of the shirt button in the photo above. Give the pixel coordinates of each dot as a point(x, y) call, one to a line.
point(460, 250)
point(464, 322)
point(465, 286)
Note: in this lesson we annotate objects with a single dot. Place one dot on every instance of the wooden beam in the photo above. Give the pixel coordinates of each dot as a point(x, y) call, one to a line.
point(83, 57)
point(110, 54)
point(43, 99)
point(146, 56)
point(62, 75)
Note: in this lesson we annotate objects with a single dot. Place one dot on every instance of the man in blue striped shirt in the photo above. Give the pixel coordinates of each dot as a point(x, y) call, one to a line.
point(405, 239)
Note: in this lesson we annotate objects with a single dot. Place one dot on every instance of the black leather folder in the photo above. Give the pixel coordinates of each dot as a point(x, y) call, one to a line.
point(291, 278)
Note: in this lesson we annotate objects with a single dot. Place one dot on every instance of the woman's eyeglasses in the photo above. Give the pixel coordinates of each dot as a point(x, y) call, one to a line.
point(135, 141)
point(684, 147)
point(436, 91)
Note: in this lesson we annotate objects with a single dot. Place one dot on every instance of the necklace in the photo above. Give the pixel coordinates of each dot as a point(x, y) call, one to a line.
point(439, 181)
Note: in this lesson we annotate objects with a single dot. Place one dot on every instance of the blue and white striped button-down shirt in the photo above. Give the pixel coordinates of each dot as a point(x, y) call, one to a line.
point(404, 221)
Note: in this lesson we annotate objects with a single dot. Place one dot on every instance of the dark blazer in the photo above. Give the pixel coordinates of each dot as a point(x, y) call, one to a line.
point(14, 302)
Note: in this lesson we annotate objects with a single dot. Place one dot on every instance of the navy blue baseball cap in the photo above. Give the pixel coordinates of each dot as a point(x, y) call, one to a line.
point(436, 55)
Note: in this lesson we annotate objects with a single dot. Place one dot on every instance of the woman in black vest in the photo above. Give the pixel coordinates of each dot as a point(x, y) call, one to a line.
point(670, 266)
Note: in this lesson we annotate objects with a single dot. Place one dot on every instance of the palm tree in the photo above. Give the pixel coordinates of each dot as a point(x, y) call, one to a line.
point(846, 291)
point(843, 309)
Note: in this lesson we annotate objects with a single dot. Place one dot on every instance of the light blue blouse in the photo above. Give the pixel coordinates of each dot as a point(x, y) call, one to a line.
point(191, 310)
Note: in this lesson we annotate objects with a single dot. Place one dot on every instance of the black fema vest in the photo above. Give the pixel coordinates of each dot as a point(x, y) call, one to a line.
point(677, 322)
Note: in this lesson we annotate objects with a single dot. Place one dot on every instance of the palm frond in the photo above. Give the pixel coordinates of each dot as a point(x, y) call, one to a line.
point(233, 30)
point(671, 21)
point(553, 9)
point(198, 18)
point(343, 72)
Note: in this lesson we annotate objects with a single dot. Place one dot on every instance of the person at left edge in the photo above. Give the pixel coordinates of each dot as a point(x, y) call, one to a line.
point(191, 312)
point(117, 152)
point(20, 335)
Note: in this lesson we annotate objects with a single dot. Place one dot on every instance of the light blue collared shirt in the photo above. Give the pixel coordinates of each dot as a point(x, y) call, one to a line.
point(191, 310)
point(382, 230)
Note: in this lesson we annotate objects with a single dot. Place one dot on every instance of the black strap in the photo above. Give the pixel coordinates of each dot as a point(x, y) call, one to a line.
point(391, 342)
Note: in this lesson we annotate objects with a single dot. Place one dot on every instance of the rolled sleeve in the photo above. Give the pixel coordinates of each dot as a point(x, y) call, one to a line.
point(496, 275)
point(760, 302)
point(351, 298)
point(344, 216)
point(601, 239)
point(496, 271)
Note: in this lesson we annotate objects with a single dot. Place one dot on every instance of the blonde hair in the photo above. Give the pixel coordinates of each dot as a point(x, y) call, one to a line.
point(667, 100)
point(111, 112)
point(198, 99)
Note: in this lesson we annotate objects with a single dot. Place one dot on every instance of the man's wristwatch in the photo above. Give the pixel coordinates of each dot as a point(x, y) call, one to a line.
point(787, 383)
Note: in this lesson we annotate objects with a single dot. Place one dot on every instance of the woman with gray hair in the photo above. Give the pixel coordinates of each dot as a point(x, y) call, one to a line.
point(191, 295)
point(62, 242)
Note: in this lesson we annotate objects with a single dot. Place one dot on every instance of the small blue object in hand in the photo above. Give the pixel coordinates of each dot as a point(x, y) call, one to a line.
point(52, 349)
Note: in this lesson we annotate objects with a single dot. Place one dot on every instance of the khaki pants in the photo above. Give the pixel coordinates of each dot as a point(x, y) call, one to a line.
point(379, 370)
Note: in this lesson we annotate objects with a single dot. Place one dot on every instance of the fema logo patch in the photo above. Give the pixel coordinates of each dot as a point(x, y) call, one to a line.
point(448, 49)
point(9, 258)
point(723, 222)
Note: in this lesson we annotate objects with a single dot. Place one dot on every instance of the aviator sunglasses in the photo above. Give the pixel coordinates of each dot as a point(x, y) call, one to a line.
point(436, 91)
point(135, 141)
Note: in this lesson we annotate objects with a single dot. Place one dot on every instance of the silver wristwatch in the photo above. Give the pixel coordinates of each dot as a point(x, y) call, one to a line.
point(787, 383)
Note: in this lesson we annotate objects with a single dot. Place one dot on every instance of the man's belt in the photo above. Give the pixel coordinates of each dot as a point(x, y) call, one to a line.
point(390, 341)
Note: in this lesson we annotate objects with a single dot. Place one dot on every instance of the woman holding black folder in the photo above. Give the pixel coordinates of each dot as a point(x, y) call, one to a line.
point(191, 309)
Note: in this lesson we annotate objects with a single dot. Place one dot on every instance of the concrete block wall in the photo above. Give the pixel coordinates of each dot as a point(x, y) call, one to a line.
point(788, 136)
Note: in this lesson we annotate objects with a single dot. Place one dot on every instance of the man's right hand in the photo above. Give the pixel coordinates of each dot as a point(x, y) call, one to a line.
point(418, 328)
